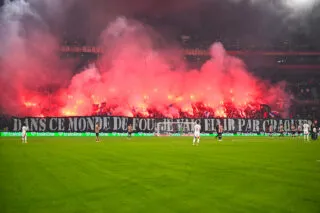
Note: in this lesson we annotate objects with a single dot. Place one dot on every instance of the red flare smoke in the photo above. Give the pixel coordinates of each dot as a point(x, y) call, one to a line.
point(138, 78)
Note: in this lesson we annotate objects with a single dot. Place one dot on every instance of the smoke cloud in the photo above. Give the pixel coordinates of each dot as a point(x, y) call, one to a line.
point(289, 11)
point(294, 5)
point(137, 77)
point(138, 74)
point(28, 57)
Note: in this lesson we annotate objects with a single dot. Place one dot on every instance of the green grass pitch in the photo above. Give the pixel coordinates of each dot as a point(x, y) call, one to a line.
point(159, 174)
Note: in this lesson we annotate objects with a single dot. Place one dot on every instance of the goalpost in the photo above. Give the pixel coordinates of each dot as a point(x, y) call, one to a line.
point(174, 128)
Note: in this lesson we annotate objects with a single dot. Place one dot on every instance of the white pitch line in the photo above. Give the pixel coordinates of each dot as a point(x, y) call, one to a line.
point(318, 161)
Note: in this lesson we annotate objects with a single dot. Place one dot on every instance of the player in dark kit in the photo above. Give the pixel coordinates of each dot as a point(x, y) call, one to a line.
point(281, 130)
point(299, 130)
point(314, 130)
point(220, 131)
point(97, 129)
point(129, 131)
point(293, 130)
point(217, 130)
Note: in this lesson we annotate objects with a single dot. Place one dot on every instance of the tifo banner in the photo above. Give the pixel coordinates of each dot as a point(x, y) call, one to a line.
point(146, 125)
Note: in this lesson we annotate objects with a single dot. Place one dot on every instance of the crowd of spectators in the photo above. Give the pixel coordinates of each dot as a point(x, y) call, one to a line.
point(197, 110)
point(195, 41)
point(305, 99)
point(304, 94)
point(306, 90)
point(304, 103)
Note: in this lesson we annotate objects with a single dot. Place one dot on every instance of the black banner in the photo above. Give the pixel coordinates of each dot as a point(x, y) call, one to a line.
point(120, 124)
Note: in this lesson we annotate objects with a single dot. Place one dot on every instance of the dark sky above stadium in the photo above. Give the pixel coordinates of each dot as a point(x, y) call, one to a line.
point(260, 20)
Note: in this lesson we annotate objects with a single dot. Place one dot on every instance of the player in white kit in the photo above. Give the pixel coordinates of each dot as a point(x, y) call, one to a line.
point(196, 137)
point(24, 134)
point(306, 128)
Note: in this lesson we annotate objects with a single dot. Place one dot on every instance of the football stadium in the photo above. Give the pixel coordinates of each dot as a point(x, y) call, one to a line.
point(159, 106)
